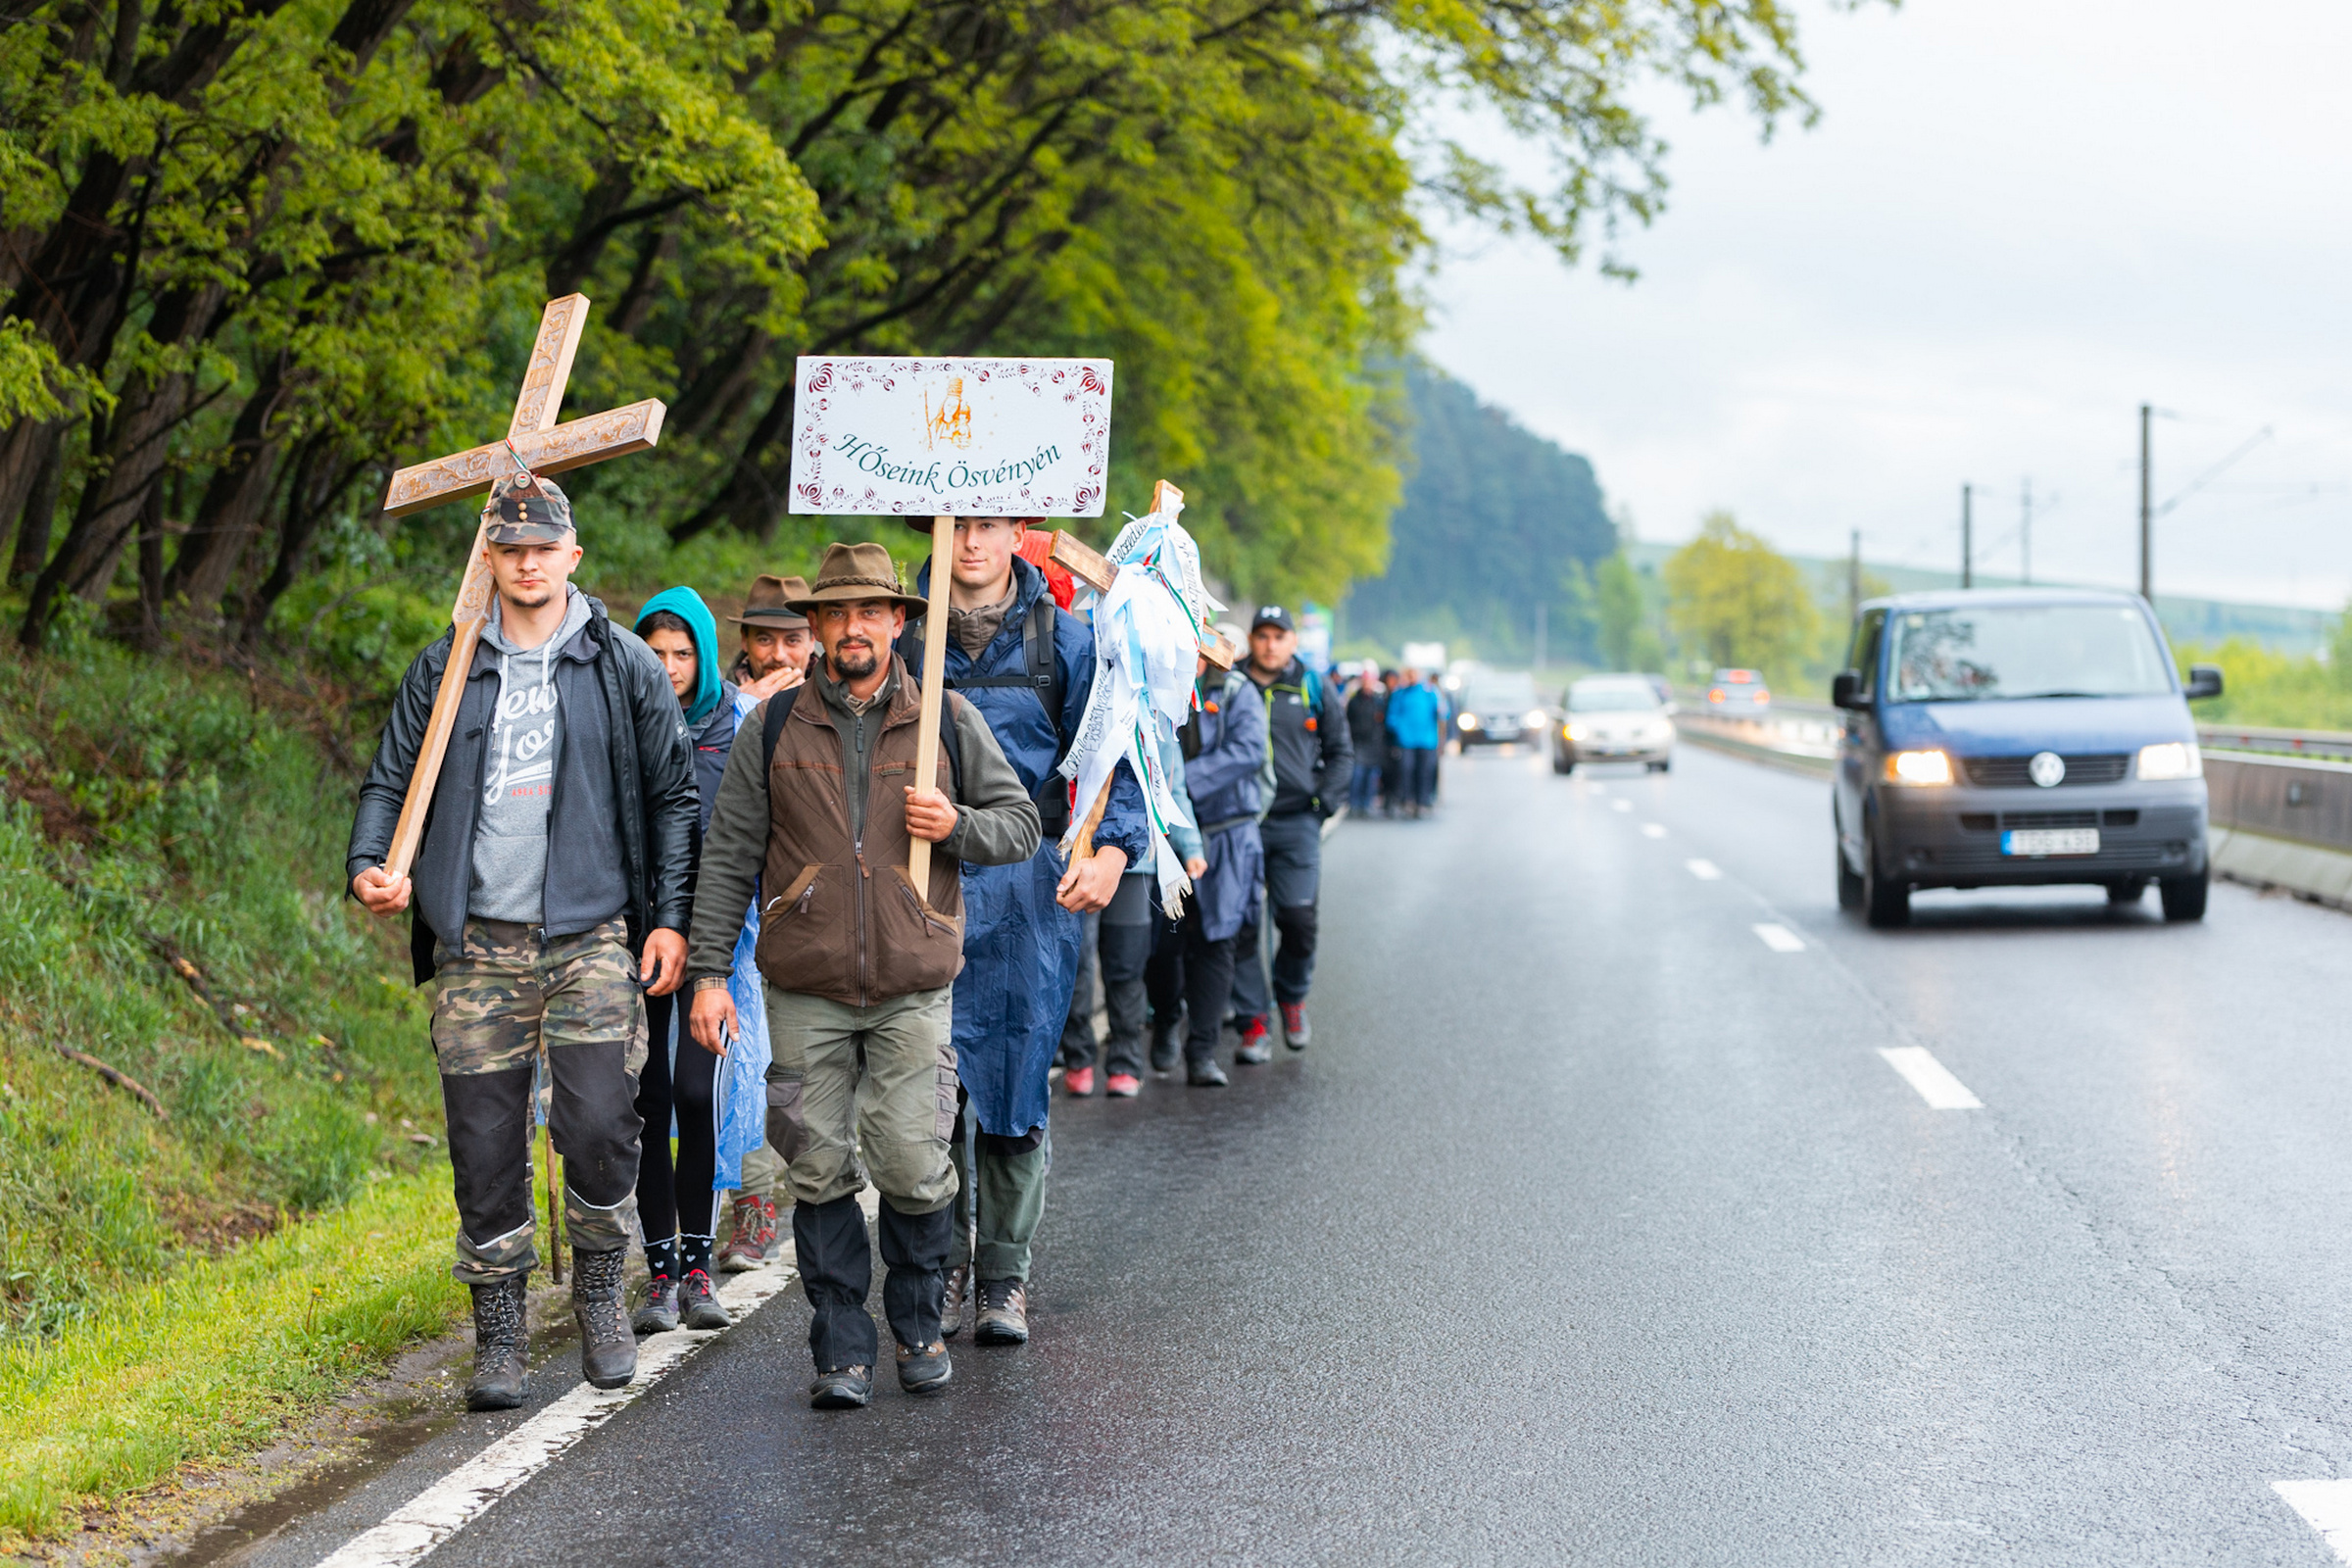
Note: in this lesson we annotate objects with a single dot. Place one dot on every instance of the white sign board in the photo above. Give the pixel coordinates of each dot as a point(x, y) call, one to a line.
point(968, 438)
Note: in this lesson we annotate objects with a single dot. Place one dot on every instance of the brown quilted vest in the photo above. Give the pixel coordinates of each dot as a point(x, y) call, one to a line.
point(840, 919)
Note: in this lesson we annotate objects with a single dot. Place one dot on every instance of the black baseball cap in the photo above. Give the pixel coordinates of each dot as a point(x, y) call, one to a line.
point(524, 509)
point(1273, 615)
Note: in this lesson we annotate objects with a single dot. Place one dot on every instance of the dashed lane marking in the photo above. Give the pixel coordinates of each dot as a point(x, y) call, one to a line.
point(1621, 803)
point(1704, 870)
point(2326, 1506)
point(1779, 938)
point(1654, 830)
point(463, 1495)
point(1941, 1091)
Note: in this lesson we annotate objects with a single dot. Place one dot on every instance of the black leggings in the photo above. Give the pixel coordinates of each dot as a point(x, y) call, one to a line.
point(667, 1201)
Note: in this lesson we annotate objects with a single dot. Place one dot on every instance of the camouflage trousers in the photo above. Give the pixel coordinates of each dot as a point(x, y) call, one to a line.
point(506, 991)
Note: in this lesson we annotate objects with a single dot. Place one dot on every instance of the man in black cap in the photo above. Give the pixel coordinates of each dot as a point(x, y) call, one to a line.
point(540, 925)
point(1306, 733)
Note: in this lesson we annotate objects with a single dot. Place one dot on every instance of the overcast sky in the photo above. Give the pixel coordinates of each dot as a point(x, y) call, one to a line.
point(2016, 221)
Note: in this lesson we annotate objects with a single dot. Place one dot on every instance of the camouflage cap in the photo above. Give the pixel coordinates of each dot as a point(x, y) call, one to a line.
point(526, 509)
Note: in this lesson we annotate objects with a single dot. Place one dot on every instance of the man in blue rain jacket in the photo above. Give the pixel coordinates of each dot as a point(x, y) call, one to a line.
point(1029, 667)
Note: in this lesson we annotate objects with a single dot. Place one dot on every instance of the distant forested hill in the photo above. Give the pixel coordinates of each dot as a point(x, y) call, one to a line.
point(1496, 521)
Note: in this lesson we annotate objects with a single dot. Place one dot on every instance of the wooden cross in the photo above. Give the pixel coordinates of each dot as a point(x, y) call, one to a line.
point(546, 448)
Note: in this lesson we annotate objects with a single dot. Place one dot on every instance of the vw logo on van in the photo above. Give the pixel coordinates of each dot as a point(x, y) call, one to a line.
point(2047, 770)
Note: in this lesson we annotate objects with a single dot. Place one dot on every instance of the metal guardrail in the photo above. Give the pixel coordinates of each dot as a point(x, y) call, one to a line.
point(2280, 783)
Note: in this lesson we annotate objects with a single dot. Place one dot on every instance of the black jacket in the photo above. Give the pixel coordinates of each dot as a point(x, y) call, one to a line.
point(1368, 725)
point(1307, 731)
point(643, 804)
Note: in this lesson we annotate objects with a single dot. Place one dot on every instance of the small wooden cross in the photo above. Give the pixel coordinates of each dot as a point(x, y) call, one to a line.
point(546, 448)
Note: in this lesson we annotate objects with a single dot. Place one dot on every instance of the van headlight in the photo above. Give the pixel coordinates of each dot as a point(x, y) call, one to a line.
point(1468, 722)
point(1919, 767)
point(2172, 760)
point(1577, 732)
point(1535, 718)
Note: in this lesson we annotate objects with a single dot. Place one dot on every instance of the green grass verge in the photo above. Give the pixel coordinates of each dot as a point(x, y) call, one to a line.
point(214, 1359)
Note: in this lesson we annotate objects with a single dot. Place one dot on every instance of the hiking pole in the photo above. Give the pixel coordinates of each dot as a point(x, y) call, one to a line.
point(555, 1208)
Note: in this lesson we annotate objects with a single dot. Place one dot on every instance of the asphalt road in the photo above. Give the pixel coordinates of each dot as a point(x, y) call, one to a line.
point(1593, 1227)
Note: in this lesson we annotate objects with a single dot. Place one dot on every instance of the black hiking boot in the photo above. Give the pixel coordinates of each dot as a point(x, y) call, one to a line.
point(1165, 1044)
point(846, 1388)
point(953, 1300)
point(1004, 1313)
point(1206, 1074)
point(660, 1313)
point(608, 1349)
point(698, 1303)
point(502, 1361)
point(924, 1369)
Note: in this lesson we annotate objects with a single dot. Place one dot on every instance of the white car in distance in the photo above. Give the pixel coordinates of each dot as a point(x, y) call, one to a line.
point(1614, 718)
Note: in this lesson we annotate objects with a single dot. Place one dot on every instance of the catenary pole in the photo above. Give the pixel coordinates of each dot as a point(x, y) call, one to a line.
point(2025, 533)
point(1967, 521)
point(2147, 575)
point(1853, 576)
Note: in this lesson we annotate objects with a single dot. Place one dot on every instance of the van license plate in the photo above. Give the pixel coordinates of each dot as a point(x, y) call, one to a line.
point(2052, 841)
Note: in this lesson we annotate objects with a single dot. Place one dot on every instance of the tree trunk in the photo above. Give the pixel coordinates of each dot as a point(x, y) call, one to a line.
point(38, 514)
point(231, 510)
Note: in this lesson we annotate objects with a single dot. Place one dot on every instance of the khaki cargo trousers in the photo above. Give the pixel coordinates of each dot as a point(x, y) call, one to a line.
point(863, 1093)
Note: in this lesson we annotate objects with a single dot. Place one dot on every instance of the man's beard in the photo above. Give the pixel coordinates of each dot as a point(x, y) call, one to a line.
point(532, 598)
point(855, 661)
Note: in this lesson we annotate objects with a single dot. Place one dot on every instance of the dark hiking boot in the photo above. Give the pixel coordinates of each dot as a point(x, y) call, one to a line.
point(1258, 1043)
point(1295, 1029)
point(1004, 1313)
point(954, 1301)
point(660, 1313)
point(608, 1349)
point(1163, 1046)
point(1206, 1074)
point(924, 1369)
point(847, 1388)
point(755, 1234)
point(501, 1346)
point(697, 1304)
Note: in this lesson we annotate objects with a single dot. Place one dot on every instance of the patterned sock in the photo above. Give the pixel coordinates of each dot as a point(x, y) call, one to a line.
point(694, 1252)
point(662, 1257)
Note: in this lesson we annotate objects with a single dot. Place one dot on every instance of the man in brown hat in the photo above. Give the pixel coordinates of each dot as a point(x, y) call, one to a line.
point(857, 960)
point(775, 637)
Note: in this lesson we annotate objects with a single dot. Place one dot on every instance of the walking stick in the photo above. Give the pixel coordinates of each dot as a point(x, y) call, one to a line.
point(554, 1207)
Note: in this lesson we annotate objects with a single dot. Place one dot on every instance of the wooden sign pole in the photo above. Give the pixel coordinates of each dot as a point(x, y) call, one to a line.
point(548, 448)
point(935, 664)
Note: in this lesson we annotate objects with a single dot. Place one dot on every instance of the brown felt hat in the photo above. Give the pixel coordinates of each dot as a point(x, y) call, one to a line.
point(852, 573)
point(769, 603)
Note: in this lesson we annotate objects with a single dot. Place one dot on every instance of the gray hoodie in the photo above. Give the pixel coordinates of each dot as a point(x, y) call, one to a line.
point(518, 771)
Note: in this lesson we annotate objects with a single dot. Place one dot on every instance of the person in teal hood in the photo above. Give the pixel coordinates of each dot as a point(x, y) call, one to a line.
point(676, 1202)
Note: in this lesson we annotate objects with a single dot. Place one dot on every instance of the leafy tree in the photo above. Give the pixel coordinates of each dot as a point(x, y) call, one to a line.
point(258, 251)
point(1627, 637)
point(1734, 599)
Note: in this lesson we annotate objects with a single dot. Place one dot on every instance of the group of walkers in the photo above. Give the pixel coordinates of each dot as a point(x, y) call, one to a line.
point(1397, 722)
point(619, 833)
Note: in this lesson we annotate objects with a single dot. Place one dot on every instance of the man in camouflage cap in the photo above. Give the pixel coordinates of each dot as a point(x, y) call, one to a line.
point(540, 926)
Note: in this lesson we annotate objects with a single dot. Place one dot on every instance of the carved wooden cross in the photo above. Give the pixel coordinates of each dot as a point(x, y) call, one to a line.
point(546, 448)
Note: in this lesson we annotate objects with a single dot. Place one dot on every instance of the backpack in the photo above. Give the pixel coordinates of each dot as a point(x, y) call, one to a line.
point(1041, 670)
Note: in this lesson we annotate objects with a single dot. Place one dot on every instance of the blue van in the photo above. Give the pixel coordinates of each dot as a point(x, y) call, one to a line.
point(2017, 738)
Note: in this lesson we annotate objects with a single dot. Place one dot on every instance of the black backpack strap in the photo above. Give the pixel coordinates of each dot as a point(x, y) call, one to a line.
point(1041, 671)
point(772, 725)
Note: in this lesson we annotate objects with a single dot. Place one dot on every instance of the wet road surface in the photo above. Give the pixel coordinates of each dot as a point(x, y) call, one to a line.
point(1594, 1226)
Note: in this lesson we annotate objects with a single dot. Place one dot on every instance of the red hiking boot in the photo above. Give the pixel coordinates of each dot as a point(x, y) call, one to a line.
point(1079, 1081)
point(1122, 1085)
point(1258, 1043)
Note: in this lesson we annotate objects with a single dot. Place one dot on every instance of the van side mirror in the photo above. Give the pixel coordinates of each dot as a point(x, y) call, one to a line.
point(2204, 680)
point(1845, 689)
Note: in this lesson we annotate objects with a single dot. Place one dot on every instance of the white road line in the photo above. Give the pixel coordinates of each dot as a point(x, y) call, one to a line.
point(458, 1499)
point(1622, 803)
point(1933, 1079)
point(1704, 870)
point(2326, 1506)
point(1654, 830)
point(1779, 938)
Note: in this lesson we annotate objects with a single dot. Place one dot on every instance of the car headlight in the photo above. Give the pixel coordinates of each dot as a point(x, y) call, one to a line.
point(2172, 760)
point(1919, 767)
point(1468, 722)
point(1577, 732)
point(1536, 717)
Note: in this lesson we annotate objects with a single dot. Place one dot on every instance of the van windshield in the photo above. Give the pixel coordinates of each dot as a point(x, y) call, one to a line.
point(2007, 652)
